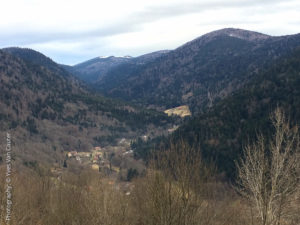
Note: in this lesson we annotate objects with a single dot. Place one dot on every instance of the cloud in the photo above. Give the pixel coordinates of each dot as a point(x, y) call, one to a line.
point(69, 31)
point(25, 37)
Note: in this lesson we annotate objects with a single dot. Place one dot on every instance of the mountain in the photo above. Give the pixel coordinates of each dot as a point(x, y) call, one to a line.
point(198, 73)
point(232, 123)
point(94, 69)
point(48, 111)
point(34, 57)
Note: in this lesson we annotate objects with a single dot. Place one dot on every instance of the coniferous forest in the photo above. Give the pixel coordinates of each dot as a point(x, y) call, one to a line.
point(206, 133)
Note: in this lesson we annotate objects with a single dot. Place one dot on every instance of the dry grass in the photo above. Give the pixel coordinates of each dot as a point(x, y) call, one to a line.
point(181, 111)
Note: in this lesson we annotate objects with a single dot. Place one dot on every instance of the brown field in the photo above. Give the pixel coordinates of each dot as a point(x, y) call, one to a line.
point(181, 111)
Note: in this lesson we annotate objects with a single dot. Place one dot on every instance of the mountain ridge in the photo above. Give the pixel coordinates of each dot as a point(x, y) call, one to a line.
point(35, 57)
point(94, 69)
point(232, 32)
point(198, 73)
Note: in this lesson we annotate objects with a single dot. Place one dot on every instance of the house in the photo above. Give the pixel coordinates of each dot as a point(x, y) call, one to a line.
point(128, 152)
point(97, 148)
point(72, 154)
point(95, 167)
point(84, 154)
point(122, 141)
point(144, 137)
point(98, 154)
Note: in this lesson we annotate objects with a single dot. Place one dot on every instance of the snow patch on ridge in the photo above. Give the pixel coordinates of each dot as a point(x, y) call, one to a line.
point(103, 57)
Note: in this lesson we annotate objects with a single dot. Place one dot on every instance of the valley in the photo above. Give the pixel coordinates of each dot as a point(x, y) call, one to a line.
point(159, 95)
point(167, 137)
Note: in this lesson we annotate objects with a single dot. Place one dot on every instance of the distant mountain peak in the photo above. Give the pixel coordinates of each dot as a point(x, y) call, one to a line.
point(238, 33)
point(247, 35)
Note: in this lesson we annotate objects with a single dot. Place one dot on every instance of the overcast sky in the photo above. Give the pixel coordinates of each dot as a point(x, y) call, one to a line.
point(72, 31)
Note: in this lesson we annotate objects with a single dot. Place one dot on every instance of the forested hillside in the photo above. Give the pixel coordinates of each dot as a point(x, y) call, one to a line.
point(199, 73)
point(223, 131)
point(49, 111)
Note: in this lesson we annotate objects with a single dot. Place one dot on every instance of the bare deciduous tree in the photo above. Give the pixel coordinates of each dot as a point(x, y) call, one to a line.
point(176, 189)
point(268, 173)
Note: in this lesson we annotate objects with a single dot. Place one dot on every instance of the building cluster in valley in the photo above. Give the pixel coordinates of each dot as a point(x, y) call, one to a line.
point(112, 161)
point(117, 164)
point(100, 158)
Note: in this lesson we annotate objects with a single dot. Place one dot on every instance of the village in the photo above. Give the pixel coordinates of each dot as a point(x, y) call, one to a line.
point(117, 160)
point(113, 161)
